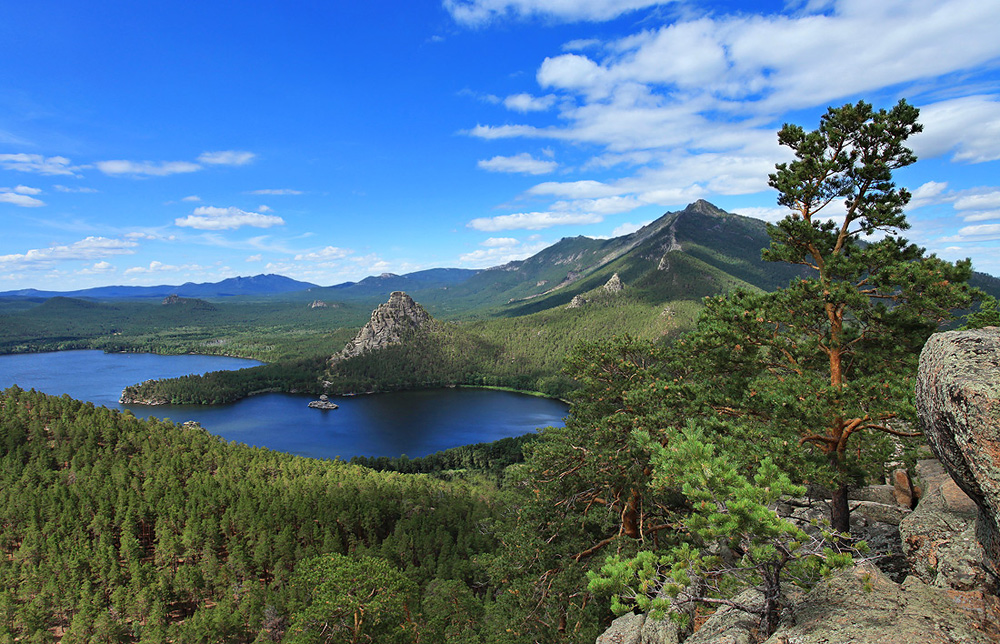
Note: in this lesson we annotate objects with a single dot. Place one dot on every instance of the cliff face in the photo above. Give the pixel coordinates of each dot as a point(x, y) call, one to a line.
point(389, 324)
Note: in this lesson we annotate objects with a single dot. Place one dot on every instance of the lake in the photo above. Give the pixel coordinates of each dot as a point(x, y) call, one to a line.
point(415, 423)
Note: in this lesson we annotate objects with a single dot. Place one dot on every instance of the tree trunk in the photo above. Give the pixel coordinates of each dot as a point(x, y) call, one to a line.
point(840, 511)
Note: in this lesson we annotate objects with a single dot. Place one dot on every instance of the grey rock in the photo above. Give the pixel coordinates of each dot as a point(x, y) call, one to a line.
point(880, 512)
point(576, 302)
point(614, 285)
point(958, 406)
point(627, 629)
point(935, 536)
point(862, 605)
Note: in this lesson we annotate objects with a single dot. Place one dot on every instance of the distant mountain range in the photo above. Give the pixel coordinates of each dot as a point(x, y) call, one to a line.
point(687, 254)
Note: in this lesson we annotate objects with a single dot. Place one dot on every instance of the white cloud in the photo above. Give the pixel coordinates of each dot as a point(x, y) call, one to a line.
point(80, 190)
point(928, 194)
point(692, 106)
point(88, 249)
point(279, 191)
point(154, 267)
point(255, 258)
point(968, 127)
point(982, 215)
point(226, 157)
point(533, 220)
point(146, 168)
point(19, 199)
point(982, 201)
point(490, 132)
point(500, 250)
point(991, 231)
point(191, 198)
point(500, 242)
point(25, 190)
point(328, 254)
point(213, 218)
point(528, 103)
point(522, 163)
point(38, 163)
point(99, 268)
point(475, 13)
point(263, 208)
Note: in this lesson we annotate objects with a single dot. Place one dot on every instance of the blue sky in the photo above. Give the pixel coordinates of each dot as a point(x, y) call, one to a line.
point(158, 143)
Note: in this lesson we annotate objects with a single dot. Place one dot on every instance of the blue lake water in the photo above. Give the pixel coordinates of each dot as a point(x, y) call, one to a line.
point(415, 423)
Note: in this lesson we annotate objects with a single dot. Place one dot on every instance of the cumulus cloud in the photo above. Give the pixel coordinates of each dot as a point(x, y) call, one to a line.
point(500, 250)
point(927, 194)
point(226, 157)
point(120, 167)
point(38, 163)
point(967, 127)
point(328, 254)
point(979, 231)
point(475, 13)
point(522, 163)
point(88, 249)
point(154, 267)
point(213, 218)
point(528, 103)
point(533, 220)
point(981, 201)
point(690, 108)
point(98, 269)
point(191, 198)
point(255, 258)
point(273, 191)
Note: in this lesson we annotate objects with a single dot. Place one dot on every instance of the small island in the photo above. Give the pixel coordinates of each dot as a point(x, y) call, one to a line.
point(323, 403)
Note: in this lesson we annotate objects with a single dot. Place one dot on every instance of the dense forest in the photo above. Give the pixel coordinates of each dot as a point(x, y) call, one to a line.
point(118, 529)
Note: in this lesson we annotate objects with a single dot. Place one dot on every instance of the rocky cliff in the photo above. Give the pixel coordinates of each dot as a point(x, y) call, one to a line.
point(390, 324)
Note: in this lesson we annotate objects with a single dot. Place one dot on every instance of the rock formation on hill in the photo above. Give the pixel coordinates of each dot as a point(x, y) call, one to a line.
point(390, 324)
point(614, 285)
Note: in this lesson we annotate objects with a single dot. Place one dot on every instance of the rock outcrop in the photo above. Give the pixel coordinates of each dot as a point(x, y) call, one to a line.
point(323, 403)
point(958, 405)
point(614, 285)
point(863, 605)
point(390, 324)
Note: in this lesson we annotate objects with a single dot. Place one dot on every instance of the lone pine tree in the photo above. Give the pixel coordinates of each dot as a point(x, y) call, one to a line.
point(832, 356)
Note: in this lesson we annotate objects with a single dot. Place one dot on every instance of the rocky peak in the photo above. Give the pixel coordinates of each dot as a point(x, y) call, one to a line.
point(389, 324)
point(614, 285)
point(703, 207)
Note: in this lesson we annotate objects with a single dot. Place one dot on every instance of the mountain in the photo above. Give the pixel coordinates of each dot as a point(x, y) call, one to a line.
point(258, 285)
point(683, 255)
point(687, 254)
point(378, 287)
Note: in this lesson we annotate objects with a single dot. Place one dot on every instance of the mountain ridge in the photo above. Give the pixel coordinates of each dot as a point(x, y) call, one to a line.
point(691, 253)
